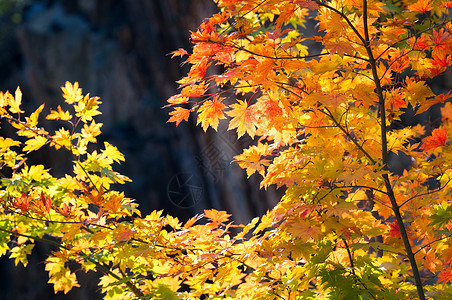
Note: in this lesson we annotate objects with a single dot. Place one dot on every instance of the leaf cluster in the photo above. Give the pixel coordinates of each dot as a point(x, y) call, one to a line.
point(325, 123)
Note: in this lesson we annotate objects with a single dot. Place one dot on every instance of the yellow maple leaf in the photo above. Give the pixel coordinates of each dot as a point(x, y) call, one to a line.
point(62, 138)
point(32, 121)
point(88, 108)
point(59, 114)
point(6, 143)
point(325, 64)
point(14, 102)
point(244, 119)
point(112, 152)
point(71, 92)
point(251, 159)
point(89, 132)
point(417, 92)
point(34, 143)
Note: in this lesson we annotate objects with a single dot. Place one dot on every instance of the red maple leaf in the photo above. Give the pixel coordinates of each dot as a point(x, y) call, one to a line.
point(437, 139)
point(445, 275)
point(22, 202)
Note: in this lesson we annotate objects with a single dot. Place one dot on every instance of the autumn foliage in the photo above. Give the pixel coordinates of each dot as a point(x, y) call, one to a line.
point(325, 123)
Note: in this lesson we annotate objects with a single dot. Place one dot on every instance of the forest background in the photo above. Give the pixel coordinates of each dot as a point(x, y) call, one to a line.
point(118, 50)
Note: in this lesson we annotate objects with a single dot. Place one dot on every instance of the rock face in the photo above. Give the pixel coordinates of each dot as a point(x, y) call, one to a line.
point(118, 50)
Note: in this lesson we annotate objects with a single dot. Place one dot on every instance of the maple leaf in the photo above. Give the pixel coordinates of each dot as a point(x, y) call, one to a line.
point(311, 5)
point(197, 71)
point(304, 230)
point(89, 132)
point(216, 216)
point(432, 101)
point(114, 202)
point(59, 114)
point(87, 108)
point(437, 139)
point(179, 114)
point(176, 99)
point(34, 144)
point(194, 90)
point(180, 52)
point(22, 202)
point(35, 172)
point(442, 61)
point(71, 92)
point(396, 100)
point(421, 43)
point(326, 64)
point(173, 222)
point(445, 275)
point(14, 102)
point(446, 112)
point(62, 138)
point(6, 143)
point(210, 113)
point(32, 121)
point(124, 235)
point(244, 118)
point(44, 205)
point(417, 92)
point(112, 153)
point(65, 210)
point(251, 159)
point(339, 48)
point(441, 42)
point(421, 6)
point(61, 277)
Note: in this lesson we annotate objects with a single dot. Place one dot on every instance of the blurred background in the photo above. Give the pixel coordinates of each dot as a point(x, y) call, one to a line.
point(118, 50)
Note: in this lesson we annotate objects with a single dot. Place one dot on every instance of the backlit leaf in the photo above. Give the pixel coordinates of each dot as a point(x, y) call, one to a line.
point(243, 118)
point(210, 112)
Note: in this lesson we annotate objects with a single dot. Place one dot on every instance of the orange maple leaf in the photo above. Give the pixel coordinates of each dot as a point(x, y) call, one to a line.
point(210, 113)
point(312, 5)
point(437, 139)
point(124, 235)
point(432, 101)
point(179, 114)
point(304, 230)
point(65, 210)
point(180, 52)
point(446, 112)
point(421, 6)
point(216, 216)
